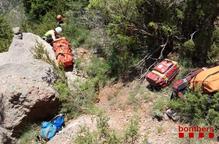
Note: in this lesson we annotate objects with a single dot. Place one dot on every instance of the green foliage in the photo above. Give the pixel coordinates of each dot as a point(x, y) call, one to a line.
point(75, 28)
point(5, 34)
point(38, 8)
point(198, 108)
point(138, 27)
point(85, 137)
point(189, 46)
point(153, 25)
point(214, 50)
point(159, 106)
point(202, 11)
point(39, 52)
point(97, 72)
point(131, 133)
point(62, 88)
point(29, 135)
point(179, 14)
point(46, 23)
point(104, 135)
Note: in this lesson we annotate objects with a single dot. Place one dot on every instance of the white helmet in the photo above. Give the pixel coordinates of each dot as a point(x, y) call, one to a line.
point(58, 29)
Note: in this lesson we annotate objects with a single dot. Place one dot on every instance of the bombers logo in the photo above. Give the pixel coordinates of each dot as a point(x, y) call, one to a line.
point(196, 131)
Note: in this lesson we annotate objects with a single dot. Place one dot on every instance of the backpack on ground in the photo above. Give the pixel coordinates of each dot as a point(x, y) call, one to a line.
point(49, 129)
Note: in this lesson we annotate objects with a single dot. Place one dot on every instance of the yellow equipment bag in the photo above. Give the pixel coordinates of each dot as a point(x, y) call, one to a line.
point(208, 80)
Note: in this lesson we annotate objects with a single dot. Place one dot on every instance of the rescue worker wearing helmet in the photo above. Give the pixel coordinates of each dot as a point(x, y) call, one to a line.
point(60, 20)
point(52, 35)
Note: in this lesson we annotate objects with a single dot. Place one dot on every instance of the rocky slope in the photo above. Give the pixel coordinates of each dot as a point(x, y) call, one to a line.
point(8, 4)
point(70, 132)
point(26, 93)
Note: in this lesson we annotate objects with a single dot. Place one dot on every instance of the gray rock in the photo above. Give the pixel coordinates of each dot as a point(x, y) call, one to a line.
point(71, 131)
point(5, 137)
point(26, 93)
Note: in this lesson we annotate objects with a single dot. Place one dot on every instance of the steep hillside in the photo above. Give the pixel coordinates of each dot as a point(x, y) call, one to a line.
point(6, 5)
point(104, 95)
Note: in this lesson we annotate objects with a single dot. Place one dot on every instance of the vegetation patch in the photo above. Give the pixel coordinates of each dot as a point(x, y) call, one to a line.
point(6, 34)
point(198, 109)
point(104, 135)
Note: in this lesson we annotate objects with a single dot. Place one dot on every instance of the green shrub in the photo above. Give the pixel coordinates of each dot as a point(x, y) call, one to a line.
point(153, 25)
point(75, 33)
point(159, 106)
point(189, 45)
point(38, 8)
point(5, 34)
point(131, 133)
point(29, 135)
point(86, 137)
point(198, 108)
point(214, 50)
point(103, 135)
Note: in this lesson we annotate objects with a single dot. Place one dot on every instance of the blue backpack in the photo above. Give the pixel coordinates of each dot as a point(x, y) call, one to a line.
point(49, 129)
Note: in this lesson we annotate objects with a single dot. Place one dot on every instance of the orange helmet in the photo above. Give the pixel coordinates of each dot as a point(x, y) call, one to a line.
point(59, 17)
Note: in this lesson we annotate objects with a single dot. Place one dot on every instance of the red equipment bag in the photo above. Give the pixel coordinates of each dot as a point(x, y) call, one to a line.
point(163, 73)
point(184, 83)
point(180, 86)
point(63, 52)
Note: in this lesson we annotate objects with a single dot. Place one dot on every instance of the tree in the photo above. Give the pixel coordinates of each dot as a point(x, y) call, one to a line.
point(145, 30)
point(38, 8)
point(200, 16)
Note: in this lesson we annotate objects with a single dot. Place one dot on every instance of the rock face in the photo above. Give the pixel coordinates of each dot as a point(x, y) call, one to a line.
point(70, 132)
point(26, 93)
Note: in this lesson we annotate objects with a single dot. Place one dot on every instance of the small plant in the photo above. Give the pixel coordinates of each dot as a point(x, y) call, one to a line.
point(29, 135)
point(103, 135)
point(145, 140)
point(132, 99)
point(159, 106)
point(86, 137)
point(137, 95)
point(131, 134)
point(160, 129)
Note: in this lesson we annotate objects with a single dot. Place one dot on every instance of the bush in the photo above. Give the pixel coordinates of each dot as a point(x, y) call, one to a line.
point(198, 108)
point(131, 133)
point(29, 135)
point(214, 50)
point(189, 46)
point(36, 9)
point(159, 107)
point(103, 135)
point(5, 34)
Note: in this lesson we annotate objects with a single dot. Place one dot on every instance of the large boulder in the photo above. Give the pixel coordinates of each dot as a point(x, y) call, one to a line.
point(26, 92)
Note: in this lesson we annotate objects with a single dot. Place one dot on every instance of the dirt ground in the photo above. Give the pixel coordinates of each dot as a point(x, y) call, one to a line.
point(117, 101)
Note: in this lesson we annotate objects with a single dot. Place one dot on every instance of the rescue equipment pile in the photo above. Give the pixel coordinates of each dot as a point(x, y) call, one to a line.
point(63, 52)
point(204, 79)
point(163, 73)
